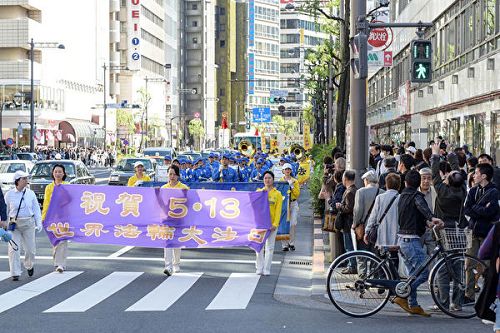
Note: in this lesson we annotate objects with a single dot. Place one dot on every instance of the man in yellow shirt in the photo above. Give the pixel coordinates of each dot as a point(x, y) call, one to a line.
point(293, 205)
point(265, 256)
point(139, 176)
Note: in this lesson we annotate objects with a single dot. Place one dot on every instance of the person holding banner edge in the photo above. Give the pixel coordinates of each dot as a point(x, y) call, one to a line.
point(265, 256)
point(60, 250)
point(173, 256)
point(293, 206)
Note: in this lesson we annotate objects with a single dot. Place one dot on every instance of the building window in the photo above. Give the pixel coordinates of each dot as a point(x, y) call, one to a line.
point(194, 6)
point(430, 90)
point(470, 72)
point(194, 23)
point(222, 11)
point(222, 43)
point(195, 40)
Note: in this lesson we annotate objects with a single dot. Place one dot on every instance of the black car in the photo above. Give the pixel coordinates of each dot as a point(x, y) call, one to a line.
point(27, 156)
point(125, 169)
point(41, 175)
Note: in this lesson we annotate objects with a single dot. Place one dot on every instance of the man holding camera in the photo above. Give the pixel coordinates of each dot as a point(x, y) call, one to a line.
point(24, 218)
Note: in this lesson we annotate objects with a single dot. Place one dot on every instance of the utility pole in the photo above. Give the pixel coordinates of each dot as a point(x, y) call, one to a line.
point(104, 105)
point(358, 154)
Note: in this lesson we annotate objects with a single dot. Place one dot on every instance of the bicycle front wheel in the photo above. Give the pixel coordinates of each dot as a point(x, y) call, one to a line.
point(348, 284)
point(455, 283)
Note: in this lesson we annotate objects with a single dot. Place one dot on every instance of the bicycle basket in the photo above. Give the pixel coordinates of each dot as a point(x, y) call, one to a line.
point(456, 239)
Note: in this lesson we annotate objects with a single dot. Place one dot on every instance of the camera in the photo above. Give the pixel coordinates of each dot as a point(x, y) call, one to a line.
point(12, 226)
point(330, 168)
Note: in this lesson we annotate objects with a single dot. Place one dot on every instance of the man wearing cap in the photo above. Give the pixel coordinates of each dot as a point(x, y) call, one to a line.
point(244, 170)
point(293, 205)
point(24, 218)
point(258, 171)
point(139, 176)
point(225, 174)
point(168, 161)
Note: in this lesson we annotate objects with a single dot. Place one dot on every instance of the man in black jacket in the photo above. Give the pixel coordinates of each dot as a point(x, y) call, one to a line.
point(414, 216)
point(3, 211)
point(481, 206)
point(485, 158)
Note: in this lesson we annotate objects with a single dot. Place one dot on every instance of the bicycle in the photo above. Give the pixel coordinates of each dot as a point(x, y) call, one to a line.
point(367, 292)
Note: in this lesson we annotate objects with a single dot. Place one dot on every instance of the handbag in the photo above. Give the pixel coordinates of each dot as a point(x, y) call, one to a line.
point(360, 228)
point(373, 233)
point(13, 222)
point(329, 223)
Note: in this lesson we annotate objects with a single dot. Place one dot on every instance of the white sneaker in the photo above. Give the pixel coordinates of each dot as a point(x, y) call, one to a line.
point(258, 272)
point(177, 269)
point(59, 269)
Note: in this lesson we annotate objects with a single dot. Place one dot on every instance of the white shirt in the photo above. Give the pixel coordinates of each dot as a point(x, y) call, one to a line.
point(29, 206)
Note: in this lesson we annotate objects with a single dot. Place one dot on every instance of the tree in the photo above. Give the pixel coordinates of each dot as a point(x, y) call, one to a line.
point(287, 127)
point(334, 53)
point(145, 98)
point(197, 131)
point(125, 119)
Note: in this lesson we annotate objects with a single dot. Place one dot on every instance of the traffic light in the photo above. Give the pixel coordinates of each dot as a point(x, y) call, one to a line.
point(281, 110)
point(277, 100)
point(421, 61)
point(359, 51)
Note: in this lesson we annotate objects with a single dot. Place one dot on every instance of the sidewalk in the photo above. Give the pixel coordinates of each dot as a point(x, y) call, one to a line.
point(302, 279)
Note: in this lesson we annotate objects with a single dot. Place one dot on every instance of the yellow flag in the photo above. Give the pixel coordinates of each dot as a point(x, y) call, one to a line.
point(304, 172)
point(263, 140)
point(307, 137)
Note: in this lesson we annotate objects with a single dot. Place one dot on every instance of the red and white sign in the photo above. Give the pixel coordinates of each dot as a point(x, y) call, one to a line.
point(197, 115)
point(387, 58)
point(380, 38)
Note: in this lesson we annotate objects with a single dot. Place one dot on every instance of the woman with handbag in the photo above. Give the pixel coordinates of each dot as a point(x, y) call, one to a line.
point(24, 218)
point(60, 251)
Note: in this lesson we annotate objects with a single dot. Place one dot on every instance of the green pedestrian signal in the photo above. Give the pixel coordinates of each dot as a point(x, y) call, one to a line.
point(421, 61)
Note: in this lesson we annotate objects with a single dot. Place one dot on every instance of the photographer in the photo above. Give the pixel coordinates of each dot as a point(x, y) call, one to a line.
point(24, 217)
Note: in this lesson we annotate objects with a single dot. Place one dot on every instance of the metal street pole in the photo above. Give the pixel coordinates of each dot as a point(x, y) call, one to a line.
point(32, 104)
point(359, 146)
point(105, 106)
point(146, 110)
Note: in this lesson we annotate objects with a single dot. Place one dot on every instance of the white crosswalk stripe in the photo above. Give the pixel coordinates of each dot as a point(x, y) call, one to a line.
point(96, 293)
point(235, 294)
point(167, 293)
point(34, 288)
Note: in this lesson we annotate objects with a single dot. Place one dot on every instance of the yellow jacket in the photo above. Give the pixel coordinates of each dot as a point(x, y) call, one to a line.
point(294, 189)
point(275, 203)
point(179, 185)
point(132, 180)
point(49, 189)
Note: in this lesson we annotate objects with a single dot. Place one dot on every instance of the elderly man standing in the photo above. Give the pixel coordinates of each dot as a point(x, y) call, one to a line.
point(363, 205)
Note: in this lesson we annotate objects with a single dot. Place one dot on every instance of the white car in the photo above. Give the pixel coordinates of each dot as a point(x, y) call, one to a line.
point(7, 170)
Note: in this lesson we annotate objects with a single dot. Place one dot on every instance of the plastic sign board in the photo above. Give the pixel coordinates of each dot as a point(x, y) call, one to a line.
point(134, 35)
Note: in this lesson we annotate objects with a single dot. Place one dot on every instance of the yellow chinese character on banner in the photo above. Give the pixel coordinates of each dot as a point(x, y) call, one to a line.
point(60, 230)
point(160, 231)
point(257, 235)
point(224, 235)
point(192, 233)
point(127, 231)
point(130, 204)
point(93, 202)
point(94, 229)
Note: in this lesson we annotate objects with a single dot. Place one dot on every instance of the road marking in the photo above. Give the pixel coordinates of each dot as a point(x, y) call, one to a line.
point(34, 288)
point(236, 292)
point(167, 293)
point(121, 251)
point(219, 261)
point(96, 293)
point(4, 275)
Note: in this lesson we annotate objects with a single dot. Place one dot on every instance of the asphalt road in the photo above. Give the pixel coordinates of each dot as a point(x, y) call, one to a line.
point(123, 289)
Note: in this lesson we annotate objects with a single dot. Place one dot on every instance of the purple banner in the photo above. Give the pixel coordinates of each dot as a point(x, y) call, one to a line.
point(161, 218)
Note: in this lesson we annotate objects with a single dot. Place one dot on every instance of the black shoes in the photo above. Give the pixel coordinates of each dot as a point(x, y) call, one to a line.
point(15, 278)
point(285, 248)
point(292, 247)
point(31, 271)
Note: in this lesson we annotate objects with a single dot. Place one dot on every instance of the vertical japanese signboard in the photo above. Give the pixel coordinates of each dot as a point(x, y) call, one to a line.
point(251, 73)
point(134, 35)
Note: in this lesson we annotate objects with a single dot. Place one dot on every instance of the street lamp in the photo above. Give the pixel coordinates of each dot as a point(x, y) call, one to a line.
point(147, 79)
point(172, 130)
point(32, 104)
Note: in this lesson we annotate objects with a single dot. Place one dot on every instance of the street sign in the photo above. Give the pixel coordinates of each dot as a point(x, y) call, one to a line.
point(279, 93)
point(387, 58)
point(197, 115)
point(9, 141)
point(261, 115)
point(380, 38)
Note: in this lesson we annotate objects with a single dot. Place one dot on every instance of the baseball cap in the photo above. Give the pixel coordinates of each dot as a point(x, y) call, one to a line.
point(260, 161)
point(168, 158)
point(228, 156)
point(136, 164)
point(412, 149)
point(20, 174)
point(287, 166)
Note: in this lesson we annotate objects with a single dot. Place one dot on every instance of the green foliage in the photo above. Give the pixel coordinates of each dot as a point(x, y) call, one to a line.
point(318, 152)
point(125, 119)
point(196, 128)
point(285, 126)
point(308, 116)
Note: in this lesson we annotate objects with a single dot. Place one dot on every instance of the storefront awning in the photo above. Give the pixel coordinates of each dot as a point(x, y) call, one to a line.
point(75, 130)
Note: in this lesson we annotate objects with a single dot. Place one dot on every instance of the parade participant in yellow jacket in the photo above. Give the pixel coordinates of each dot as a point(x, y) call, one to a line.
point(172, 256)
point(60, 251)
point(139, 176)
point(265, 256)
point(293, 205)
